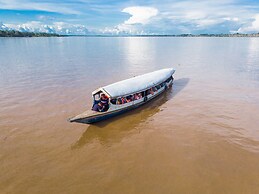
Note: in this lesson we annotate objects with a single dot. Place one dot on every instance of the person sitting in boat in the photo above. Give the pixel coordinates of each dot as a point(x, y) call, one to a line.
point(123, 100)
point(119, 101)
point(113, 101)
point(103, 104)
point(151, 91)
point(129, 98)
point(136, 97)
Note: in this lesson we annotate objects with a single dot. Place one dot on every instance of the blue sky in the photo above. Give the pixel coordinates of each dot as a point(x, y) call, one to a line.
point(131, 17)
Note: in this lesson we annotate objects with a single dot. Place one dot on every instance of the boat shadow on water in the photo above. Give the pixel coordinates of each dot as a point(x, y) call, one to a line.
point(115, 129)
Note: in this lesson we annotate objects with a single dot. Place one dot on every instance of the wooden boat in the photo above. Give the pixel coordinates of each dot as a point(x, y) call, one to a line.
point(139, 90)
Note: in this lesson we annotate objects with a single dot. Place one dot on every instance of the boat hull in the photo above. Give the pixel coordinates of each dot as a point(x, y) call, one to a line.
point(98, 118)
point(106, 115)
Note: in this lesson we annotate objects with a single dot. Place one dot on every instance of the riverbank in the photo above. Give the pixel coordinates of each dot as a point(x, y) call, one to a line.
point(15, 33)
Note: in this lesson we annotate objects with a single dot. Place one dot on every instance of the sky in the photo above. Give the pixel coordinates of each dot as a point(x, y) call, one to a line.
point(142, 17)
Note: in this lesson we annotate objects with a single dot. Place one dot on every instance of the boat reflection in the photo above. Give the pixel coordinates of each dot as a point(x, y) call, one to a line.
point(115, 129)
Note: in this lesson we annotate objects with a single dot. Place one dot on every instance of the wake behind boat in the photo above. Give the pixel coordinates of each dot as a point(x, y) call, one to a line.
point(122, 96)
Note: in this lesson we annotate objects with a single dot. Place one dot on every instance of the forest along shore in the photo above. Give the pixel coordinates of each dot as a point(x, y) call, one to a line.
point(15, 33)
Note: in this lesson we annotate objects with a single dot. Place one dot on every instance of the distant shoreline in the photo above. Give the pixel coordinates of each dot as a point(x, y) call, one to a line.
point(181, 35)
point(14, 33)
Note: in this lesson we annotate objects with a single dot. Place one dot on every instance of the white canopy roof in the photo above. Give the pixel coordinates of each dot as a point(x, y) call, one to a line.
point(138, 83)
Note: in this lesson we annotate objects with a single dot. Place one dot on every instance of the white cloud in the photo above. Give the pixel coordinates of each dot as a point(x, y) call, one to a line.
point(202, 14)
point(180, 16)
point(33, 26)
point(123, 29)
point(164, 17)
point(235, 19)
point(40, 6)
point(207, 22)
point(140, 15)
point(56, 27)
point(66, 28)
point(252, 28)
point(3, 26)
point(45, 18)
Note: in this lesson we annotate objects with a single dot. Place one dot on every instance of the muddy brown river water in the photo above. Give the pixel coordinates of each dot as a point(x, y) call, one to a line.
point(201, 136)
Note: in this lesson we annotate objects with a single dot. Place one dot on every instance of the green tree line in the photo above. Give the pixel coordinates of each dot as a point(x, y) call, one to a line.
point(15, 33)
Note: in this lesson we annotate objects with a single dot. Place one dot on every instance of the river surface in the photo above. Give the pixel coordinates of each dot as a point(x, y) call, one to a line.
point(201, 136)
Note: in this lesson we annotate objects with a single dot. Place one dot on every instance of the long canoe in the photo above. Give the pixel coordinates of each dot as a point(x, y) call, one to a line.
point(147, 85)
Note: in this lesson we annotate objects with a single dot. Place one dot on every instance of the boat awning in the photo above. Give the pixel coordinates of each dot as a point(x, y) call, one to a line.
point(138, 83)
